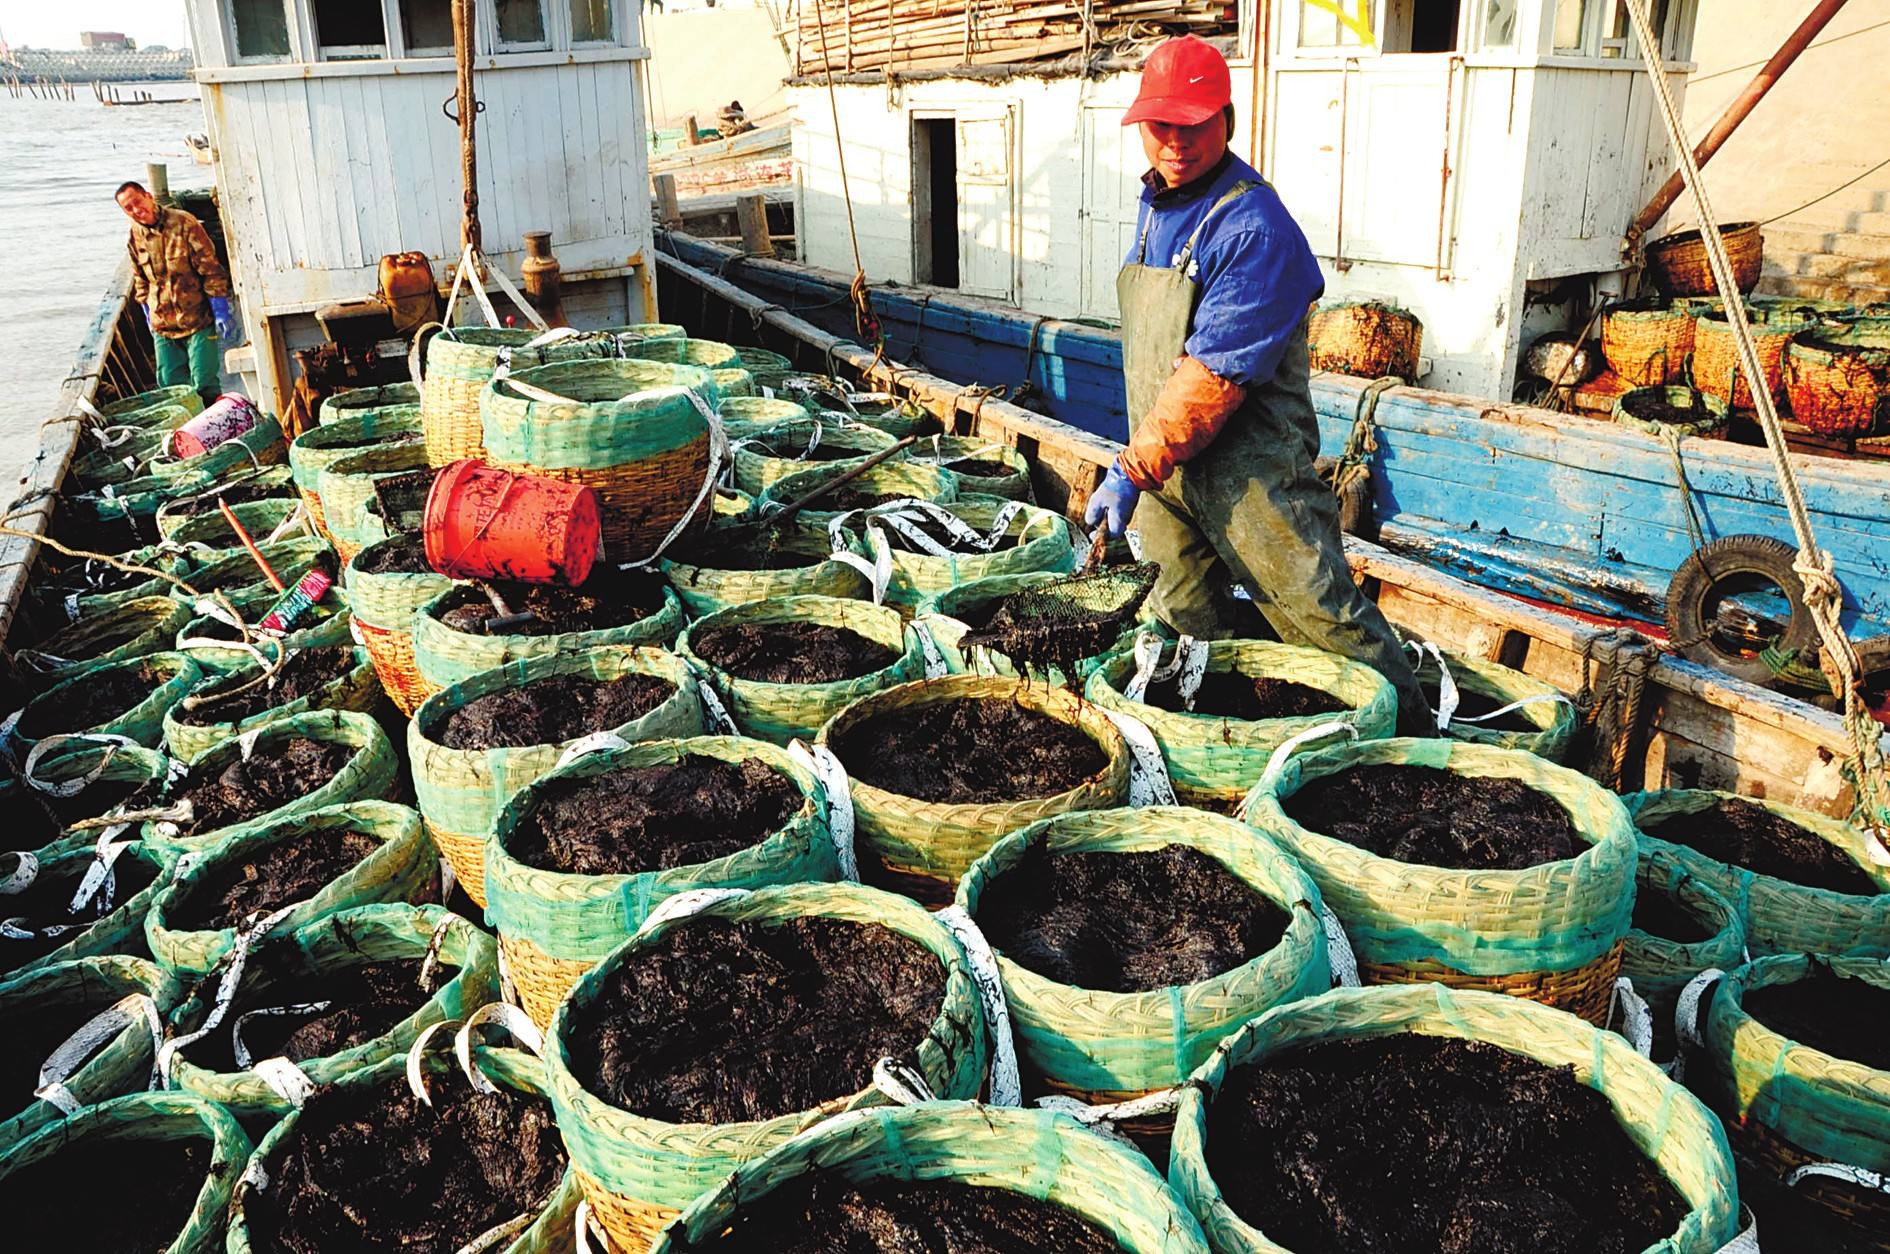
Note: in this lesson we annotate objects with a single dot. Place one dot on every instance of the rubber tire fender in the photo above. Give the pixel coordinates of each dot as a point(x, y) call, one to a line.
point(1712, 565)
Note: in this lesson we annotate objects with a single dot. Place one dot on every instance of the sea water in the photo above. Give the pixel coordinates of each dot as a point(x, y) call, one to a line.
point(62, 236)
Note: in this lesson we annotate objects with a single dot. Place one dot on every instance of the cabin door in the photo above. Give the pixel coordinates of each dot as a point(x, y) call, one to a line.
point(987, 205)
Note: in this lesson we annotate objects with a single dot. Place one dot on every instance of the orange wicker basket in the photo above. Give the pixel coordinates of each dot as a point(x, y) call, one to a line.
point(1647, 347)
point(1677, 263)
point(1715, 367)
point(1369, 339)
point(1838, 379)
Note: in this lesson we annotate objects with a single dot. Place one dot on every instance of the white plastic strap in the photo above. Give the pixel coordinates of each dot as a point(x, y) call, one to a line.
point(1862, 1177)
point(25, 871)
point(72, 607)
point(902, 1084)
point(1339, 955)
point(1447, 695)
point(935, 664)
point(837, 791)
point(432, 959)
point(468, 272)
point(72, 787)
point(682, 905)
point(285, 1080)
point(246, 743)
point(1148, 668)
point(905, 518)
point(498, 1233)
point(226, 990)
point(513, 1020)
point(98, 873)
point(240, 1052)
point(72, 1053)
point(585, 746)
point(878, 570)
point(1006, 1088)
point(720, 722)
point(1747, 1242)
point(1637, 1021)
point(1292, 744)
point(583, 1226)
point(1540, 698)
point(1149, 784)
point(1686, 1011)
point(1103, 1118)
point(88, 408)
point(297, 520)
point(525, 307)
point(718, 453)
point(416, 1053)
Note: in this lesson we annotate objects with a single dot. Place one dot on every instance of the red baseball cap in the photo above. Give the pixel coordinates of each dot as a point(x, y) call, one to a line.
point(1184, 83)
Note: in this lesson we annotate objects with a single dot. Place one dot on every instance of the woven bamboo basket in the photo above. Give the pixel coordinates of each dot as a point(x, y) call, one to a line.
point(1779, 917)
point(1664, 1121)
point(261, 445)
point(1551, 713)
point(549, 1232)
point(905, 479)
point(925, 847)
point(1103, 1046)
point(1838, 379)
point(174, 675)
point(946, 616)
point(897, 418)
point(78, 777)
point(402, 869)
point(233, 570)
point(1214, 761)
point(345, 938)
point(639, 1173)
point(461, 362)
point(554, 926)
point(1787, 1105)
point(120, 931)
point(354, 402)
point(129, 630)
point(1677, 263)
point(986, 1147)
point(1715, 367)
point(1647, 347)
point(750, 415)
point(732, 381)
point(681, 351)
point(951, 451)
point(704, 589)
point(66, 592)
point(75, 992)
point(125, 458)
point(1550, 933)
point(781, 713)
point(1661, 966)
point(273, 518)
point(356, 689)
point(460, 791)
point(1042, 543)
point(182, 396)
point(164, 1118)
point(1709, 411)
point(383, 606)
point(631, 430)
point(346, 489)
point(444, 656)
point(198, 519)
point(781, 450)
point(321, 447)
point(368, 773)
point(1367, 338)
point(326, 623)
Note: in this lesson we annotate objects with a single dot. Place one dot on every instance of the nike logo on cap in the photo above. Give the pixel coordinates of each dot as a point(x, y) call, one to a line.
point(1197, 78)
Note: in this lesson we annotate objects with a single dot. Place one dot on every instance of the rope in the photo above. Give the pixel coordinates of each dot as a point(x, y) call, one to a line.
point(1696, 526)
point(1823, 593)
point(863, 319)
point(1362, 443)
point(1834, 191)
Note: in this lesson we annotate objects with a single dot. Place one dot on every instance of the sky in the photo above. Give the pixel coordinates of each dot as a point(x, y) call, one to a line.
point(37, 24)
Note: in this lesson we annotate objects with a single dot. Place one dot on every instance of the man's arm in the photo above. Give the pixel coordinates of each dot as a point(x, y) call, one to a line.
point(203, 258)
point(140, 281)
point(1192, 408)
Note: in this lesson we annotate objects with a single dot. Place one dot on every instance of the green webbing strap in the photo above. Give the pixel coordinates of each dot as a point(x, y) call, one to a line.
point(1178, 1009)
point(1046, 1160)
point(895, 1143)
point(1233, 193)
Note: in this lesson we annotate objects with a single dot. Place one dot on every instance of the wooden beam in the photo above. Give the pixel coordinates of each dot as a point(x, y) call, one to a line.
point(752, 213)
point(669, 207)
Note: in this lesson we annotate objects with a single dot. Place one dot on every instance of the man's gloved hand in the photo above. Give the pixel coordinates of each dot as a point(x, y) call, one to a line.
point(225, 316)
point(1113, 504)
point(147, 314)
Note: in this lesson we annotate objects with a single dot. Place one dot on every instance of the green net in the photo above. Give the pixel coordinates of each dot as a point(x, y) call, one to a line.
point(1061, 623)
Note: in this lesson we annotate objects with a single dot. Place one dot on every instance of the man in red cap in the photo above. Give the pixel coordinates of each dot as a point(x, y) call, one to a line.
point(1218, 473)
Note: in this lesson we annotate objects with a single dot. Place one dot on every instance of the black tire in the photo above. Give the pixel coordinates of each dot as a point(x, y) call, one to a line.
point(1711, 566)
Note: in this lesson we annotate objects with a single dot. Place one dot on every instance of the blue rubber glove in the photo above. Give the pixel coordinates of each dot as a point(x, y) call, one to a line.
point(225, 316)
point(1113, 504)
point(147, 314)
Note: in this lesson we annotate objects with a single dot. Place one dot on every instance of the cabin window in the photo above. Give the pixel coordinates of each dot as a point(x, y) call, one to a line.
point(935, 201)
point(1571, 26)
point(261, 29)
point(1320, 25)
point(1499, 24)
point(349, 30)
point(590, 22)
point(427, 26)
point(521, 25)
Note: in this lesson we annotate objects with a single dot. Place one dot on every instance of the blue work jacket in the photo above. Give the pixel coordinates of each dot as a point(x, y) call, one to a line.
point(1256, 273)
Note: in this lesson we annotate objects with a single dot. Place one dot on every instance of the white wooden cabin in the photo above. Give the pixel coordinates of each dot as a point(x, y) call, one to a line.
point(1464, 163)
point(334, 143)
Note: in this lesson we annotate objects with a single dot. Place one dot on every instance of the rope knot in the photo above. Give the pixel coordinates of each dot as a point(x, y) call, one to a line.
point(1815, 568)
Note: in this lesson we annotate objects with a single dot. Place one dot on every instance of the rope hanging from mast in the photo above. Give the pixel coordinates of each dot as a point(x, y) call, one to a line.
point(464, 45)
point(1823, 594)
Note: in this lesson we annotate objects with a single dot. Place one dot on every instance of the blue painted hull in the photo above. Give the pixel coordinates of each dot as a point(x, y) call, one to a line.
point(1578, 513)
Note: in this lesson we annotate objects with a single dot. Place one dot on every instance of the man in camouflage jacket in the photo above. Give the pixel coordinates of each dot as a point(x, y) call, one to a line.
point(184, 289)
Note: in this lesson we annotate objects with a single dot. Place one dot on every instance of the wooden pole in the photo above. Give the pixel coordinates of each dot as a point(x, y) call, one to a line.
point(158, 180)
point(752, 212)
point(1736, 112)
point(464, 12)
point(668, 205)
point(690, 131)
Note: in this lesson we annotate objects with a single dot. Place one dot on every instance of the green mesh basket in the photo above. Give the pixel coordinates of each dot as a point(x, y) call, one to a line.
point(402, 869)
point(944, 616)
point(710, 354)
point(327, 623)
point(1214, 760)
point(1106, 1046)
point(765, 365)
point(548, 1233)
point(81, 775)
point(619, 413)
point(952, 451)
point(1048, 1157)
point(346, 488)
point(259, 446)
point(898, 418)
point(1710, 411)
point(129, 630)
point(782, 448)
point(358, 402)
point(321, 447)
point(358, 688)
point(649, 330)
point(1661, 966)
point(1664, 1121)
point(124, 458)
point(346, 938)
point(135, 500)
point(234, 571)
point(1779, 917)
point(122, 930)
point(164, 1118)
point(779, 713)
point(368, 773)
point(898, 479)
point(705, 585)
point(171, 675)
point(125, 996)
point(445, 656)
point(652, 1169)
point(276, 517)
point(181, 396)
point(79, 604)
point(751, 415)
point(1527, 698)
point(388, 601)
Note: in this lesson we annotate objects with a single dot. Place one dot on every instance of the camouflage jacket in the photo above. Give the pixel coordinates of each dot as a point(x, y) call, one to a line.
point(174, 270)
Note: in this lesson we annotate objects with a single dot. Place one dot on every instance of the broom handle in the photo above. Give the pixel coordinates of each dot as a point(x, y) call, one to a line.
point(242, 533)
point(841, 480)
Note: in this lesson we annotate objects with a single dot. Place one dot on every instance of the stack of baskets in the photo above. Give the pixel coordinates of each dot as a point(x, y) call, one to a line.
point(461, 362)
point(1648, 347)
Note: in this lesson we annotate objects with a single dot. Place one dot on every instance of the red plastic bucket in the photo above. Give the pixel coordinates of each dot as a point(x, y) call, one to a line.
point(486, 523)
point(223, 419)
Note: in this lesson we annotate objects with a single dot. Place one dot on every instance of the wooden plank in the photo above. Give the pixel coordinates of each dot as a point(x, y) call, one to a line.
point(668, 206)
point(752, 213)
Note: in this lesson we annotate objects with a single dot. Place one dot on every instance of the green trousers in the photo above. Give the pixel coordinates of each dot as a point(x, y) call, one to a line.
point(196, 359)
point(1250, 509)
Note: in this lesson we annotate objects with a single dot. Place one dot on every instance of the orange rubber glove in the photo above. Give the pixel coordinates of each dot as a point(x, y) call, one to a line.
point(1193, 406)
